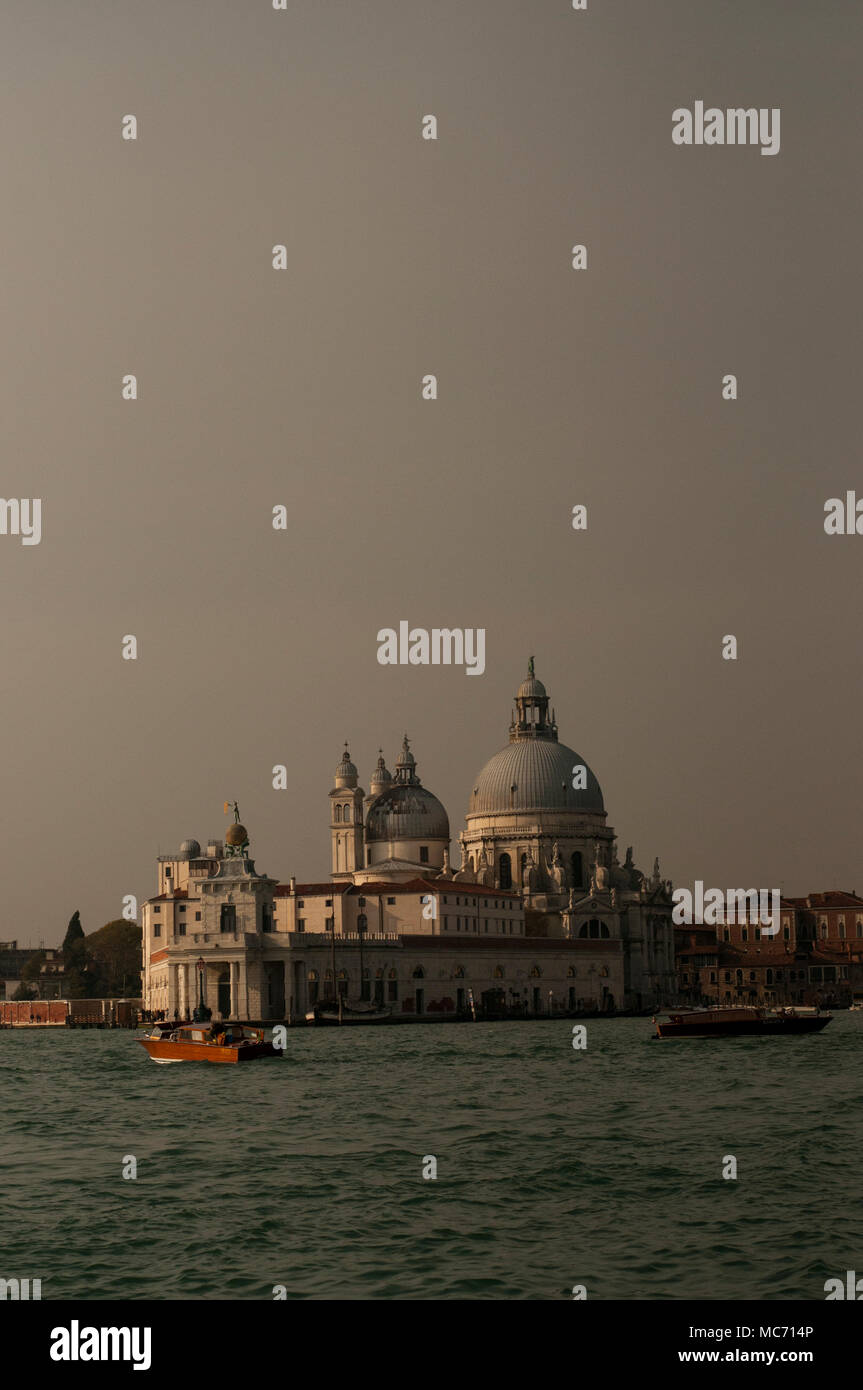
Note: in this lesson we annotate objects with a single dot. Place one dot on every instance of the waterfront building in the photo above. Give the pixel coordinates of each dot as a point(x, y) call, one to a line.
point(574, 930)
point(815, 959)
point(12, 961)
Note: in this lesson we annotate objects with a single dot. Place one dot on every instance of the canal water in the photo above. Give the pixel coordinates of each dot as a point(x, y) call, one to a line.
point(600, 1167)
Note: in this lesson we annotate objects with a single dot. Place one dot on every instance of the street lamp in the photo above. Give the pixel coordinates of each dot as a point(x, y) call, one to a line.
point(202, 1013)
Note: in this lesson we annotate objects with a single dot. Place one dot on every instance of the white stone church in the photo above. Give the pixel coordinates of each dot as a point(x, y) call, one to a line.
point(540, 916)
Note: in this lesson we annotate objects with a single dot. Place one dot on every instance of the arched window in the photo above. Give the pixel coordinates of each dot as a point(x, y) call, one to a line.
point(458, 973)
point(535, 972)
point(338, 814)
point(419, 973)
point(505, 871)
point(594, 929)
point(347, 815)
point(576, 869)
point(570, 972)
point(393, 975)
point(497, 973)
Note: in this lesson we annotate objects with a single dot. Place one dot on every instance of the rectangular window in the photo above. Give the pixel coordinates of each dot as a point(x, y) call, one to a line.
point(157, 928)
point(182, 907)
point(392, 990)
point(300, 902)
point(157, 909)
point(391, 902)
point(424, 854)
point(181, 928)
point(197, 916)
point(301, 924)
point(227, 918)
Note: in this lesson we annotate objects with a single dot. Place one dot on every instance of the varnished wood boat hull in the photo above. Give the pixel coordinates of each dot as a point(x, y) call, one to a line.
point(162, 1050)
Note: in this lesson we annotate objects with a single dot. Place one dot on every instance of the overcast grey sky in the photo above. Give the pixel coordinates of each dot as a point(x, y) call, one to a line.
point(302, 387)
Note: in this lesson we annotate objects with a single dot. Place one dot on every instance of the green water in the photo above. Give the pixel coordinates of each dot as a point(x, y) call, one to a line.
point(555, 1167)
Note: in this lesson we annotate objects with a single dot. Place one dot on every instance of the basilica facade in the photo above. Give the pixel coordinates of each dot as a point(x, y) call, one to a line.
point(540, 916)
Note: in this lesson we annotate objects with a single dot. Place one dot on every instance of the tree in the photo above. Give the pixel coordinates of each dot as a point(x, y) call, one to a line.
point(114, 958)
point(24, 991)
point(74, 933)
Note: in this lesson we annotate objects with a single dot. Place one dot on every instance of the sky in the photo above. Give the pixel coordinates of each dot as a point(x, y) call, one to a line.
point(301, 388)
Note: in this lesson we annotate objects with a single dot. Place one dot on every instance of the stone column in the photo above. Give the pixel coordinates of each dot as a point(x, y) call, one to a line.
point(253, 971)
point(234, 968)
point(173, 971)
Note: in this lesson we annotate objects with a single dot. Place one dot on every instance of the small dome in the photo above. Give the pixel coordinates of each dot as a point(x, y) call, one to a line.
point(381, 777)
point(237, 836)
point(346, 773)
point(406, 757)
point(190, 849)
point(406, 811)
point(531, 689)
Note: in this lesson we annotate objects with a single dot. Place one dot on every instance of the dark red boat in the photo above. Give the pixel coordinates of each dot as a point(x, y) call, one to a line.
point(743, 1021)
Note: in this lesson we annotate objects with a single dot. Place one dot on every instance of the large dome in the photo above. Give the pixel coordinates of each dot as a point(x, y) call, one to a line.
point(406, 812)
point(541, 771)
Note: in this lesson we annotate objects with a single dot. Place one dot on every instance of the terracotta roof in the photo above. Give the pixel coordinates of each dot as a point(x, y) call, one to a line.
point(450, 941)
point(384, 888)
point(311, 890)
point(834, 897)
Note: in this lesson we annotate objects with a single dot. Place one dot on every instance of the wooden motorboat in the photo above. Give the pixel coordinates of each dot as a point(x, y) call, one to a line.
point(742, 1021)
point(348, 1011)
point(198, 1042)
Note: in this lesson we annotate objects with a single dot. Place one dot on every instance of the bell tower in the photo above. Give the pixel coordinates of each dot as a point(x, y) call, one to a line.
point(346, 819)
